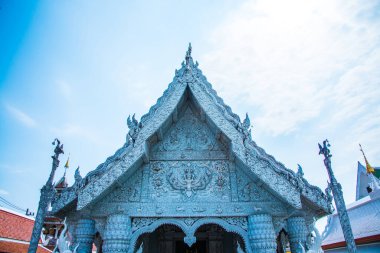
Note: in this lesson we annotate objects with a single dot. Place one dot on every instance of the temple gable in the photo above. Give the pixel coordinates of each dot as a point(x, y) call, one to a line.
point(189, 172)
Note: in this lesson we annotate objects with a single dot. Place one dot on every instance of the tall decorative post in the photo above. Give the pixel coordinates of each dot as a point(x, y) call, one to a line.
point(47, 193)
point(338, 198)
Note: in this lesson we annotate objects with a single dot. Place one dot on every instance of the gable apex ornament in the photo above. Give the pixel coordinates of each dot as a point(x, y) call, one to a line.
point(188, 57)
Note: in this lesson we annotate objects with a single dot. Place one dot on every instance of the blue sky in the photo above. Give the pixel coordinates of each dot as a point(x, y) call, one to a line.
point(303, 70)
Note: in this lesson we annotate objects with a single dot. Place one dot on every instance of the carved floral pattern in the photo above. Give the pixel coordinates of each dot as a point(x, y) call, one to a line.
point(237, 221)
point(190, 133)
point(250, 191)
point(138, 223)
point(130, 191)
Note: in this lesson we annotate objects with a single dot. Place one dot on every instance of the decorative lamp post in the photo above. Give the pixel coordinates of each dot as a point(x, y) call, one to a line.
point(47, 193)
point(336, 189)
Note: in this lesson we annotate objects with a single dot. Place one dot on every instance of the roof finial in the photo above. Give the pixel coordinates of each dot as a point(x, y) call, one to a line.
point(188, 55)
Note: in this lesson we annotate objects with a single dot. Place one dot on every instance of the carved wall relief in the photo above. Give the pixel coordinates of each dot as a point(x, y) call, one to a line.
point(188, 180)
point(189, 139)
point(190, 133)
point(185, 181)
point(249, 191)
point(130, 191)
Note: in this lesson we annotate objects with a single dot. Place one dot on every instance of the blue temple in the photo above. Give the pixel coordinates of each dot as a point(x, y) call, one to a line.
point(190, 166)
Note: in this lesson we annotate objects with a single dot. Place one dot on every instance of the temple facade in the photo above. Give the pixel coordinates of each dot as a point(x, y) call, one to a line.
point(190, 178)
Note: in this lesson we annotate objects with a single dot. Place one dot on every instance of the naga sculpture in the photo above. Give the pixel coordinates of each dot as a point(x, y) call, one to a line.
point(315, 242)
point(134, 128)
point(63, 246)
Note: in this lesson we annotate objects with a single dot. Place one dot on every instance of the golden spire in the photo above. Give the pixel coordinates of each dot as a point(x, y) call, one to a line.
point(370, 169)
point(66, 165)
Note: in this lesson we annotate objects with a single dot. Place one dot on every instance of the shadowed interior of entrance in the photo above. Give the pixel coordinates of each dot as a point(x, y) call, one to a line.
point(211, 238)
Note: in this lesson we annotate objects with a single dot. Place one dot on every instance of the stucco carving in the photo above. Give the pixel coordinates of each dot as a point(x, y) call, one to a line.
point(250, 191)
point(189, 226)
point(261, 233)
point(263, 165)
point(189, 181)
point(189, 133)
point(130, 191)
point(204, 159)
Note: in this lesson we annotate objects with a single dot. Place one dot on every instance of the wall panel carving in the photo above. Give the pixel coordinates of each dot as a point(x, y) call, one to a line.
point(189, 134)
point(184, 181)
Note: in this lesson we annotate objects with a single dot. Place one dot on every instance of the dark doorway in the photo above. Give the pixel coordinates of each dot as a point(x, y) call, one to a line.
point(198, 247)
point(211, 238)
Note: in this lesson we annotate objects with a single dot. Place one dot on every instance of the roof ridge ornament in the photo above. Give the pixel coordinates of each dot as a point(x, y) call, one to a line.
point(134, 129)
point(188, 71)
point(188, 58)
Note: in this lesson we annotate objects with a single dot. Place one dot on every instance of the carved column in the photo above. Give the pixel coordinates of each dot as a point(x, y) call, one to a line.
point(261, 233)
point(117, 233)
point(85, 233)
point(297, 233)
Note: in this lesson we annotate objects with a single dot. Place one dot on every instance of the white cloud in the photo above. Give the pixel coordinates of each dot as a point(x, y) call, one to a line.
point(295, 60)
point(21, 116)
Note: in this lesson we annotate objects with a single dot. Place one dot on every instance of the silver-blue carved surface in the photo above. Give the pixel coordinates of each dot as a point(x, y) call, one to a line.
point(189, 79)
point(130, 191)
point(177, 183)
point(191, 159)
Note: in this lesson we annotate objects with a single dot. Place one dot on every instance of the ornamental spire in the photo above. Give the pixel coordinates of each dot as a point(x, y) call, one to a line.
point(370, 169)
point(188, 58)
point(66, 165)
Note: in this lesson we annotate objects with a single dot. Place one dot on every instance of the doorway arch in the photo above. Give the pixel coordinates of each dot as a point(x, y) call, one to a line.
point(189, 226)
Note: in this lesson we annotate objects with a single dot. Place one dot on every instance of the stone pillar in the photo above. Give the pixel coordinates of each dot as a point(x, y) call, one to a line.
point(117, 234)
point(297, 233)
point(261, 233)
point(85, 233)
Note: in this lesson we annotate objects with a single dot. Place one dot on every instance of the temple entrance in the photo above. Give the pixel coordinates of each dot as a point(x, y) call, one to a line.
point(199, 246)
point(211, 238)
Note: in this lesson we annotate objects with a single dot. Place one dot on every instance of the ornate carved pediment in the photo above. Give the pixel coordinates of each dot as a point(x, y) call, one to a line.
point(192, 139)
point(189, 139)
